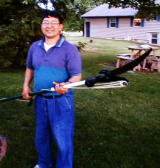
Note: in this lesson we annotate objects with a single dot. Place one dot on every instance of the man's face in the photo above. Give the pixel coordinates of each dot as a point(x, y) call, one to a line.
point(51, 27)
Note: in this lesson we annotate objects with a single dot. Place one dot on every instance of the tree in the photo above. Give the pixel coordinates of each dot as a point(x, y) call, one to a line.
point(146, 8)
point(19, 26)
point(76, 9)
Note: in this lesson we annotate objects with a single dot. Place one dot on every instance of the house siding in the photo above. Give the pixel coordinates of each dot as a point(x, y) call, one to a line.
point(99, 29)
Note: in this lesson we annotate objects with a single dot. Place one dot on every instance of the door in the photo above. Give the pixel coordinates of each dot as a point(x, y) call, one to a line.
point(87, 29)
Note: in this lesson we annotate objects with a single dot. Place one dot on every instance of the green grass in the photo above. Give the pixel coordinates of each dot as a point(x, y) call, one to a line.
point(115, 128)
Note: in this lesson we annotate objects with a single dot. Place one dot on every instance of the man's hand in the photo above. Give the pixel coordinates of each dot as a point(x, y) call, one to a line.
point(59, 88)
point(27, 80)
point(25, 93)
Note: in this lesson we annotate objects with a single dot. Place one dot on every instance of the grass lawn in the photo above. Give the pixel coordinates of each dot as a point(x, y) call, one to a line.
point(115, 128)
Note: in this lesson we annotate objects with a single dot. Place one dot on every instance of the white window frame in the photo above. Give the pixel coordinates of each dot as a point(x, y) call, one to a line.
point(113, 22)
point(154, 37)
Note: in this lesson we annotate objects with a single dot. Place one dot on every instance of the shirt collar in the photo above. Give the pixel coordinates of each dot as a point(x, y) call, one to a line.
point(58, 44)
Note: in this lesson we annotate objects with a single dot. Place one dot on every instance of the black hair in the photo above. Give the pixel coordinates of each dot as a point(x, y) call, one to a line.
point(53, 14)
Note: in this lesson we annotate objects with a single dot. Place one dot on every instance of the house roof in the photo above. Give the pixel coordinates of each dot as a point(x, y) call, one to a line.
point(104, 11)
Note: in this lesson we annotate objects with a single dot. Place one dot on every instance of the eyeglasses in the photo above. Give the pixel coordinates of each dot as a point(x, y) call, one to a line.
point(45, 23)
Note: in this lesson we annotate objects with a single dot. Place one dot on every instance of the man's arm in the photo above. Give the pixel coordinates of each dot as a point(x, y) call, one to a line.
point(26, 86)
point(75, 79)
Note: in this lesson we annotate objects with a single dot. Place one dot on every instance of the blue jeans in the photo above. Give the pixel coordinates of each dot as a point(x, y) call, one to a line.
point(54, 121)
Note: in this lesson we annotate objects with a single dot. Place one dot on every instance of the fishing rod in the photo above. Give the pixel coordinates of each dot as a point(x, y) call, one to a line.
point(99, 82)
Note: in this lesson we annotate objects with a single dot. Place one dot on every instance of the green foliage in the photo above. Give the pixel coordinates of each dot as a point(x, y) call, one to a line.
point(76, 9)
point(81, 46)
point(19, 27)
point(146, 8)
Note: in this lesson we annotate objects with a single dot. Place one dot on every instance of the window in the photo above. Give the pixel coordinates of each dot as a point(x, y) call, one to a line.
point(154, 38)
point(113, 22)
point(137, 22)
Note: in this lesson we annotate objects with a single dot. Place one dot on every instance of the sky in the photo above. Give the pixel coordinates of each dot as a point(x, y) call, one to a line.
point(49, 5)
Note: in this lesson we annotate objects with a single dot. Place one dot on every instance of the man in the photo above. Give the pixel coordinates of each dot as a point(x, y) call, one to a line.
point(53, 61)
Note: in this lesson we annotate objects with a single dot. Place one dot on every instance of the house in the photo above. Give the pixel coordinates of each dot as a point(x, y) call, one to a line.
point(120, 23)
